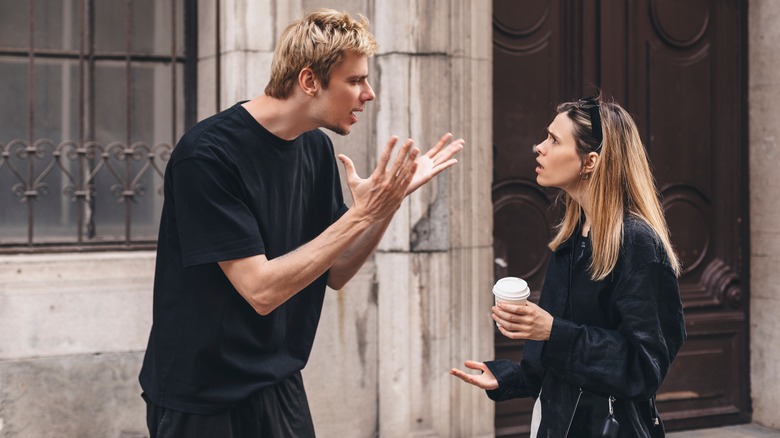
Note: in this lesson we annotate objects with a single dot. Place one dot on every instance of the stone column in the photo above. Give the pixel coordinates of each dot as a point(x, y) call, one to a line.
point(764, 107)
point(434, 265)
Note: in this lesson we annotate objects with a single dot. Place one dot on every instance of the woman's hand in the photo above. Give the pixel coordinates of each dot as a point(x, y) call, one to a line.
point(523, 321)
point(486, 380)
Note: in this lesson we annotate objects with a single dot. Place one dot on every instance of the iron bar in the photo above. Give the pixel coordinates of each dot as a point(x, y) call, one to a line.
point(31, 119)
point(128, 114)
point(81, 161)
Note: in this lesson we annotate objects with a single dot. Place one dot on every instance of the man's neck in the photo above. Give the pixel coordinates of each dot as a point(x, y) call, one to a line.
point(285, 119)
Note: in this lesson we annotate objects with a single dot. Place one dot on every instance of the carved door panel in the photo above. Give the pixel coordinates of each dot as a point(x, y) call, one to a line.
point(526, 76)
point(678, 67)
point(686, 87)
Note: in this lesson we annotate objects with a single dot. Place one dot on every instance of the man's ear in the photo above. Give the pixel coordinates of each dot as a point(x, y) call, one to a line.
point(308, 81)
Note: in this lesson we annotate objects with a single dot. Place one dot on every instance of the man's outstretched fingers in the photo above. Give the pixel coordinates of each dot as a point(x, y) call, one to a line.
point(439, 144)
point(381, 167)
point(349, 167)
point(401, 158)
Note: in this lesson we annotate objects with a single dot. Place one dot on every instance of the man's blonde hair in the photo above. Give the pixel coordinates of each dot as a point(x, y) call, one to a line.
point(622, 184)
point(318, 41)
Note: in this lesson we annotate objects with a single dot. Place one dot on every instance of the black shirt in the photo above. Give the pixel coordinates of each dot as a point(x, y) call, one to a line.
point(234, 190)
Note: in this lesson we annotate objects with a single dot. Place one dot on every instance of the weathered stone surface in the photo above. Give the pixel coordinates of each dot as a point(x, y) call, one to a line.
point(763, 35)
point(207, 79)
point(764, 105)
point(432, 317)
point(341, 376)
point(207, 41)
point(764, 357)
point(413, 26)
point(74, 303)
point(387, 340)
point(85, 396)
point(245, 26)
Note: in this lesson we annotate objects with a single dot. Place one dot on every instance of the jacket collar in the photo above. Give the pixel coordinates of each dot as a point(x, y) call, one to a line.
point(568, 243)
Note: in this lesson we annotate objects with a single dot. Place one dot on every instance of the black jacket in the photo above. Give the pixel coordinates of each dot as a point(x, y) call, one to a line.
point(616, 337)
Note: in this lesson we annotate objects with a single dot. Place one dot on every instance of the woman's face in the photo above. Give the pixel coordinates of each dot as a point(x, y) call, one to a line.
point(559, 163)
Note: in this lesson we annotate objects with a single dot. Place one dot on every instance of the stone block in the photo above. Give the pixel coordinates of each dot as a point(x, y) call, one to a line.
point(62, 304)
point(764, 357)
point(341, 376)
point(207, 25)
point(471, 331)
point(258, 72)
point(413, 26)
point(85, 396)
point(245, 26)
point(207, 87)
point(244, 76)
point(763, 35)
point(432, 317)
point(414, 327)
point(472, 206)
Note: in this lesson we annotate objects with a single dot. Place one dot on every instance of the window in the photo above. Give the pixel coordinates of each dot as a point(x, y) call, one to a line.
point(95, 94)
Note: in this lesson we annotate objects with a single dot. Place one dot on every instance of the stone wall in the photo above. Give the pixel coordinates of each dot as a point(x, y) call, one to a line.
point(764, 112)
point(73, 327)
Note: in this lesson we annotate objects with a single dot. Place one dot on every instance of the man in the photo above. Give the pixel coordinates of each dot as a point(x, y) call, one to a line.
point(254, 227)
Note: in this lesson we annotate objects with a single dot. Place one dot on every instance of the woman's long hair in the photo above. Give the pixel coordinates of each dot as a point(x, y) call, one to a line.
point(620, 184)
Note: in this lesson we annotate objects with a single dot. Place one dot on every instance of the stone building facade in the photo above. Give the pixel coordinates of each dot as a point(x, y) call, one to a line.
point(73, 326)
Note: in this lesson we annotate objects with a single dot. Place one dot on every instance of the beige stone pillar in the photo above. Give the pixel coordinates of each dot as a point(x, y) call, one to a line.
point(434, 266)
point(764, 112)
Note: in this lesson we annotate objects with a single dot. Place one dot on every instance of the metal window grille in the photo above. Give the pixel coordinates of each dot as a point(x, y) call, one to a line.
point(97, 93)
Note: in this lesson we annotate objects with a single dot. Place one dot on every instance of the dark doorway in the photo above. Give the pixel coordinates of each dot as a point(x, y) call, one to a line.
point(680, 69)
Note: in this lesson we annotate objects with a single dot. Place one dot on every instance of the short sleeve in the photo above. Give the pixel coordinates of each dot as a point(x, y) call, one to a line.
point(214, 221)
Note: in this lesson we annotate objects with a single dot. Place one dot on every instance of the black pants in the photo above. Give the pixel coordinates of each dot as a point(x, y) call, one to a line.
point(278, 411)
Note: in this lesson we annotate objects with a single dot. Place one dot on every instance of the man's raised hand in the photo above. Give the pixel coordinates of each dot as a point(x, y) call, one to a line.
point(435, 161)
point(381, 193)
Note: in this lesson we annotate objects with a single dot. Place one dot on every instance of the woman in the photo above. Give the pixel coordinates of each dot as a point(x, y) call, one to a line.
point(609, 321)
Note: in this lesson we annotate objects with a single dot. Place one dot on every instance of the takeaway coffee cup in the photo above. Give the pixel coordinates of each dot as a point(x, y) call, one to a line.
point(511, 290)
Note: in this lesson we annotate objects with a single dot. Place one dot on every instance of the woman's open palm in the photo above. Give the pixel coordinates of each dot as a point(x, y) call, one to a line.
point(485, 380)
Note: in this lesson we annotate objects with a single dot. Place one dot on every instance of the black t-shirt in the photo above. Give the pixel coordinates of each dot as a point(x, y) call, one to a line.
point(234, 190)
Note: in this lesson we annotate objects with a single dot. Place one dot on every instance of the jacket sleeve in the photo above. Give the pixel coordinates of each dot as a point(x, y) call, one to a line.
point(510, 380)
point(631, 361)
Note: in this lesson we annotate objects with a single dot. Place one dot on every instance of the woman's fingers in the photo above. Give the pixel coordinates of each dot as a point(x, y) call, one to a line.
point(485, 380)
point(474, 365)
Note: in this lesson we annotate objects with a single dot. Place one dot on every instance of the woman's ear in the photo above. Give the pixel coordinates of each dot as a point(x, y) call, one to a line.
point(308, 82)
point(590, 163)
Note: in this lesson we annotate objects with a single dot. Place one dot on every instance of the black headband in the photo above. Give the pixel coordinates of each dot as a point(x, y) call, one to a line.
point(592, 107)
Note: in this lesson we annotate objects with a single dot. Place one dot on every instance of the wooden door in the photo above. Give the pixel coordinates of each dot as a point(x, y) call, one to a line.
point(679, 68)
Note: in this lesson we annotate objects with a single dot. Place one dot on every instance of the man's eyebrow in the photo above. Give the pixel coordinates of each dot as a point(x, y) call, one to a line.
point(357, 77)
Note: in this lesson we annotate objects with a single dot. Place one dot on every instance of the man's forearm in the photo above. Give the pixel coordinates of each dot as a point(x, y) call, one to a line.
point(266, 284)
point(356, 254)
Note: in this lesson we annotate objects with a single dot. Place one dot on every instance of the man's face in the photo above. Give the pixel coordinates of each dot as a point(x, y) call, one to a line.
point(347, 93)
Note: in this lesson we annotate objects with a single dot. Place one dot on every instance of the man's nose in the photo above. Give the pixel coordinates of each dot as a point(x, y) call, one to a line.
point(368, 93)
